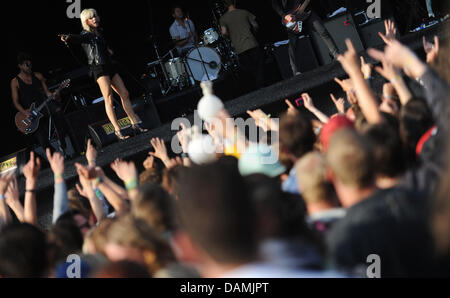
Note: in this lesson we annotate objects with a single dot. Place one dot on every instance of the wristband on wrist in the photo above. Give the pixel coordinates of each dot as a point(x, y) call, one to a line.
point(396, 79)
point(57, 176)
point(98, 193)
point(2, 197)
point(30, 190)
point(97, 181)
point(131, 184)
point(184, 155)
point(92, 161)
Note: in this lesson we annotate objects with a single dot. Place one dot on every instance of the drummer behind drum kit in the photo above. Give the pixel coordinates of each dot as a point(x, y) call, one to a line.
point(205, 62)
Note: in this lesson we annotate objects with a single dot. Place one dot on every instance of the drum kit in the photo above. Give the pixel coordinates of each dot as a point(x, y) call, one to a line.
point(207, 61)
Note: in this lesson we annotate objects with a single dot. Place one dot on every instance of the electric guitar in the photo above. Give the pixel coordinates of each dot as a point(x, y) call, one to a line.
point(29, 125)
point(296, 26)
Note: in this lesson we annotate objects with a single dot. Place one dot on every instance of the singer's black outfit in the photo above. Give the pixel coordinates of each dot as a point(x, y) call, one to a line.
point(98, 57)
point(313, 23)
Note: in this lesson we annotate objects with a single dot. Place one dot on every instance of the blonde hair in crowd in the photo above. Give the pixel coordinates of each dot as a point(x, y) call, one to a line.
point(86, 15)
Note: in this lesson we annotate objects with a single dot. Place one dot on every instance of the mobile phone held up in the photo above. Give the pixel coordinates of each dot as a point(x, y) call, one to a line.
point(299, 102)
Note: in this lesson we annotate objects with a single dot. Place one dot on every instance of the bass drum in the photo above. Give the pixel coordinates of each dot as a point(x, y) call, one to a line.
point(207, 71)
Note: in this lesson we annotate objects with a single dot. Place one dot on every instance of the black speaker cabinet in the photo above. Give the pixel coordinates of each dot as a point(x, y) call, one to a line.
point(306, 59)
point(14, 163)
point(340, 28)
point(83, 123)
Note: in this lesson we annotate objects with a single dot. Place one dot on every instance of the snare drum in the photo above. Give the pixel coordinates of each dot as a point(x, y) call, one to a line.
point(210, 36)
point(175, 69)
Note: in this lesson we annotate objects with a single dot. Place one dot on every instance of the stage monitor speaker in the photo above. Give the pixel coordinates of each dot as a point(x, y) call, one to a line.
point(340, 27)
point(78, 122)
point(103, 132)
point(13, 163)
point(306, 59)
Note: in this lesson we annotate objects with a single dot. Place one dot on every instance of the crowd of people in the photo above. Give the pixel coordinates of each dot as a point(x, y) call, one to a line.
point(370, 180)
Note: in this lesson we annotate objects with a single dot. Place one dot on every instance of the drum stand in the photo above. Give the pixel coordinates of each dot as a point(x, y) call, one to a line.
point(52, 126)
point(166, 77)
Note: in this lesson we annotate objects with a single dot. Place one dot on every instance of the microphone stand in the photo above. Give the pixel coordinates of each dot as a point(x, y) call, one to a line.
point(198, 51)
point(162, 66)
point(52, 124)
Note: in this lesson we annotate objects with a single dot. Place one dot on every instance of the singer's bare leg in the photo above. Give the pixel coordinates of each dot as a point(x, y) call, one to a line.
point(105, 87)
point(119, 87)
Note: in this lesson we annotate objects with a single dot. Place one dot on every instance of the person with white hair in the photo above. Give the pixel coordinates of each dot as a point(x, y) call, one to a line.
point(104, 70)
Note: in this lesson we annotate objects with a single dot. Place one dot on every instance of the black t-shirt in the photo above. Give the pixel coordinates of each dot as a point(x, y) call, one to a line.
point(392, 224)
point(29, 94)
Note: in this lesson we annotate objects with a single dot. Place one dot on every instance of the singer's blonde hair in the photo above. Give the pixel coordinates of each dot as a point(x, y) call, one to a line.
point(86, 15)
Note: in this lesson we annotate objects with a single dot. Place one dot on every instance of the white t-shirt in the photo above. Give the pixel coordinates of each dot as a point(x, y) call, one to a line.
point(178, 31)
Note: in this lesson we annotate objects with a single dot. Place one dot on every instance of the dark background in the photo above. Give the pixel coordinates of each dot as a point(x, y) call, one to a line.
point(33, 26)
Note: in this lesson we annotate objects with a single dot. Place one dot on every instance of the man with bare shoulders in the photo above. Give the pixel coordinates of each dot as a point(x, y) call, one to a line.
point(30, 87)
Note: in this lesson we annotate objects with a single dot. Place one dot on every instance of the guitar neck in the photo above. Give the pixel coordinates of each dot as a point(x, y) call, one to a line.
point(49, 99)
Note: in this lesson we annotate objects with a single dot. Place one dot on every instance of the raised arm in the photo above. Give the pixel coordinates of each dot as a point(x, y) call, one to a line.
point(309, 105)
point(31, 172)
point(5, 215)
point(117, 201)
point(60, 198)
point(127, 172)
point(13, 200)
point(436, 88)
point(88, 190)
point(366, 98)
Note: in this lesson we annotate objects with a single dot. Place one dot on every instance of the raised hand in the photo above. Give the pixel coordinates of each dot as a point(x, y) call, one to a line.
point(4, 183)
point(309, 104)
point(339, 103)
point(149, 163)
point(388, 71)
point(346, 85)
point(349, 60)
point(260, 118)
point(391, 31)
point(184, 138)
point(56, 161)
point(175, 162)
point(13, 199)
point(12, 192)
point(32, 168)
point(160, 150)
point(124, 170)
point(91, 153)
point(366, 68)
point(432, 50)
point(352, 98)
point(292, 111)
point(401, 57)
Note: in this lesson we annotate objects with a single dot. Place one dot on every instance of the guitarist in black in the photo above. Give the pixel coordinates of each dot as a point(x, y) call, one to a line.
point(30, 87)
point(313, 23)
